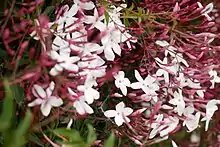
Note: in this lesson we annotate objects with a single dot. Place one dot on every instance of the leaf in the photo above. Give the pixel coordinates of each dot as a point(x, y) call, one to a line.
point(49, 10)
point(7, 110)
point(106, 17)
point(35, 139)
point(110, 141)
point(91, 135)
point(18, 94)
point(22, 130)
point(71, 135)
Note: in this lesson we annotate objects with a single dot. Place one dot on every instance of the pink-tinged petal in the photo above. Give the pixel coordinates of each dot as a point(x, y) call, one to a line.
point(87, 108)
point(70, 67)
point(55, 101)
point(87, 5)
point(126, 119)
point(127, 111)
point(90, 19)
point(79, 108)
point(45, 108)
point(124, 90)
point(110, 113)
point(35, 102)
point(136, 85)
point(73, 10)
point(119, 120)
point(100, 26)
point(39, 91)
point(149, 80)
point(88, 96)
point(120, 107)
point(109, 54)
point(54, 72)
point(49, 92)
point(53, 55)
point(138, 76)
point(73, 59)
point(71, 92)
point(116, 48)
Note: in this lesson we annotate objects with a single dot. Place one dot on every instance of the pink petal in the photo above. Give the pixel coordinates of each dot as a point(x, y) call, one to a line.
point(35, 102)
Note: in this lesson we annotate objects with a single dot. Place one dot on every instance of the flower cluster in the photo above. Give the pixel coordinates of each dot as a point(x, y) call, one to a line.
point(161, 68)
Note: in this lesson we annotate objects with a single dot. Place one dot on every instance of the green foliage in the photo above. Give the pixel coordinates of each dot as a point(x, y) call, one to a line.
point(110, 141)
point(11, 137)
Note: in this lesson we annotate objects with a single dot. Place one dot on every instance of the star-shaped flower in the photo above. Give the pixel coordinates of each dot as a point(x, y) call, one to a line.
point(178, 101)
point(80, 105)
point(45, 98)
point(120, 114)
point(122, 82)
point(215, 78)
point(211, 107)
point(148, 85)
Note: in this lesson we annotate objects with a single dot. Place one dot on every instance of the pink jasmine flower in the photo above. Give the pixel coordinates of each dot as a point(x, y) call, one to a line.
point(90, 93)
point(171, 123)
point(211, 107)
point(120, 114)
point(208, 9)
point(95, 21)
point(215, 78)
point(191, 121)
point(45, 98)
point(80, 105)
point(148, 85)
point(122, 82)
point(178, 101)
point(64, 62)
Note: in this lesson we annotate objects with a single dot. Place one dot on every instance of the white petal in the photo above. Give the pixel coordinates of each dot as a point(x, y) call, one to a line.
point(110, 113)
point(55, 101)
point(35, 102)
point(45, 109)
point(40, 91)
point(174, 144)
point(162, 43)
point(124, 90)
point(109, 54)
point(120, 107)
point(138, 76)
point(73, 10)
point(87, 5)
point(116, 48)
point(136, 85)
point(119, 120)
point(79, 108)
point(87, 108)
point(127, 111)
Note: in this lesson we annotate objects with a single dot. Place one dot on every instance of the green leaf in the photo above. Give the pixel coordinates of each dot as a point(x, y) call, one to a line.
point(110, 141)
point(18, 94)
point(7, 110)
point(106, 17)
point(49, 10)
point(22, 130)
point(72, 135)
point(91, 135)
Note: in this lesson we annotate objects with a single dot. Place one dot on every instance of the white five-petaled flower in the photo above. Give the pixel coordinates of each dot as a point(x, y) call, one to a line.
point(90, 93)
point(80, 105)
point(45, 98)
point(211, 107)
point(148, 85)
point(122, 82)
point(178, 101)
point(111, 42)
point(64, 62)
point(95, 21)
point(208, 9)
point(215, 78)
point(191, 121)
point(120, 114)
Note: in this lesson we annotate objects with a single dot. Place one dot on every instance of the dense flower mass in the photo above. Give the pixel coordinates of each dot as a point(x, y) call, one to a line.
point(160, 63)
